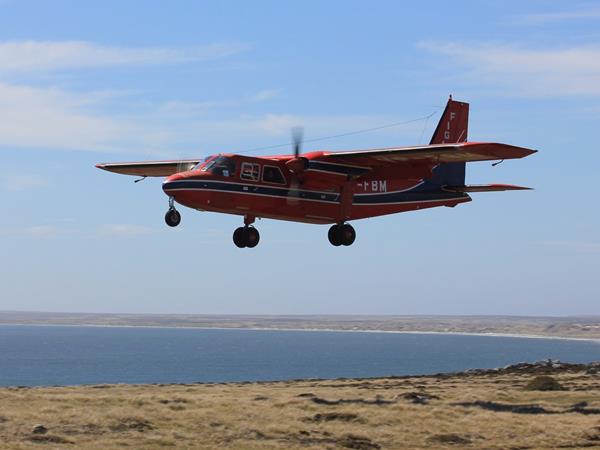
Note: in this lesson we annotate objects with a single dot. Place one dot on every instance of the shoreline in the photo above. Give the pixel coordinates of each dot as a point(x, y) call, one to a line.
point(327, 330)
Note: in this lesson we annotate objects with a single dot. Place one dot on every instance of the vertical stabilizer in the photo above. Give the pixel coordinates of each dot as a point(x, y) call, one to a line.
point(452, 128)
point(453, 125)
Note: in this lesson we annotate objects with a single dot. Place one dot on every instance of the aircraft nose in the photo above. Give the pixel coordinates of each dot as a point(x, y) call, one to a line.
point(170, 183)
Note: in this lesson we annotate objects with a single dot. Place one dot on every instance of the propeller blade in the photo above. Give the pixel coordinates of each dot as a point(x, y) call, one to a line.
point(293, 193)
point(297, 133)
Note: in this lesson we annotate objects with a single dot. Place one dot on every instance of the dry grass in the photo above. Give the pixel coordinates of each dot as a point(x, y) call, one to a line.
point(386, 413)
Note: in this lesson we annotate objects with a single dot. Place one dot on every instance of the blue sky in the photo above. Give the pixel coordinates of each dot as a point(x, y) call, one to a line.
point(82, 83)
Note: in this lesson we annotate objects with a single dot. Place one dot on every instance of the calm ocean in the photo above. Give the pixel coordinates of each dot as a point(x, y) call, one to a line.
point(57, 355)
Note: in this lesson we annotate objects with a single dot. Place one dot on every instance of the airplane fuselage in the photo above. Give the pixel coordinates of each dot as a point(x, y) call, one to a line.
point(325, 196)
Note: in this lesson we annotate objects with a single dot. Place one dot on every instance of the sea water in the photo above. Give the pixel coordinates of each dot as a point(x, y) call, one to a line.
point(68, 355)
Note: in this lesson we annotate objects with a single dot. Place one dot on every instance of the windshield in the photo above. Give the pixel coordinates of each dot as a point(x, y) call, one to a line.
point(203, 162)
point(221, 165)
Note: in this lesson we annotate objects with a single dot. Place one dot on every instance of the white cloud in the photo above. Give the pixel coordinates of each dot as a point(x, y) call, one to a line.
point(558, 16)
point(124, 230)
point(51, 118)
point(51, 231)
point(519, 71)
point(266, 94)
point(55, 118)
point(577, 246)
point(276, 128)
point(34, 231)
point(32, 56)
point(22, 181)
point(191, 108)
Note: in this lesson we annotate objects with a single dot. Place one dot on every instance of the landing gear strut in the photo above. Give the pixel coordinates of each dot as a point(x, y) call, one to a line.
point(246, 236)
point(341, 234)
point(172, 217)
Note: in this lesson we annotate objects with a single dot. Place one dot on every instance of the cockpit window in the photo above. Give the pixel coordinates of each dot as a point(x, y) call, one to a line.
point(200, 165)
point(272, 174)
point(221, 165)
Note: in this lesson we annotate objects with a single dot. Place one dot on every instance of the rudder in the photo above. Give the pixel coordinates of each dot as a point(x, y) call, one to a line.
point(452, 128)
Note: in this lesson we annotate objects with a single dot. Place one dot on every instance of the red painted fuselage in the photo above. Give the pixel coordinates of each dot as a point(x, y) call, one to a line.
point(323, 194)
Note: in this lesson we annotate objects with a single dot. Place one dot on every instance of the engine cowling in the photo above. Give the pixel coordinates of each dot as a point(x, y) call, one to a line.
point(297, 165)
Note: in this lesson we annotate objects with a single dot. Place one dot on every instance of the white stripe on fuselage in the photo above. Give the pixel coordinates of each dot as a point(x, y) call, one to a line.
point(320, 192)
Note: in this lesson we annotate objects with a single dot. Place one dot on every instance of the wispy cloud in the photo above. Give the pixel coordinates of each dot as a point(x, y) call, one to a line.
point(266, 94)
point(124, 230)
point(190, 108)
point(22, 182)
point(578, 246)
point(558, 16)
point(52, 118)
point(57, 118)
point(30, 56)
point(520, 71)
point(34, 231)
point(50, 230)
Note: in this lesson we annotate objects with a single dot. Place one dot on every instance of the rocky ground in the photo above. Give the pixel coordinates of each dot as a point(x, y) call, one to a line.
point(524, 406)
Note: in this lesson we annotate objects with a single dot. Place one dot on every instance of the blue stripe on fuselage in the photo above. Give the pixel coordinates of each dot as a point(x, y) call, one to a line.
point(250, 189)
point(411, 196)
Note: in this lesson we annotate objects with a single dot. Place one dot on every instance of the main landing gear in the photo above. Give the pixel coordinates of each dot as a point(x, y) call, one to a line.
point(172, 217)
point(246, 236)
point(341, 234)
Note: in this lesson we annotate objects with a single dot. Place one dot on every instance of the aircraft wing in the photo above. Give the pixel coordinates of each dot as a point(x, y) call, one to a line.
point(430, 154)
point(150, 168)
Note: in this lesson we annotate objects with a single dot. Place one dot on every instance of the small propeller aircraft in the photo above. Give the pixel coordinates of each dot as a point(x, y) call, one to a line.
point(325, 187)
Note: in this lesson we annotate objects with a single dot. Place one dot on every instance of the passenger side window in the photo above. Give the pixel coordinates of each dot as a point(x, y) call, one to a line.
point(250, 172)
point(272, 174)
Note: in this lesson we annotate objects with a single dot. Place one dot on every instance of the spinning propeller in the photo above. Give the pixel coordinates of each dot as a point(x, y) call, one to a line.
point(296, 166)
point(297, 133)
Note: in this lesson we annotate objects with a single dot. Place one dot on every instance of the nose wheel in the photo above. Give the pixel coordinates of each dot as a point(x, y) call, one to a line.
point(246, 236)
point(341, 234)
point(172, 217)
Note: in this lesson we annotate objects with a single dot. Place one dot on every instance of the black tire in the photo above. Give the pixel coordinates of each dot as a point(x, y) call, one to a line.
point(239, 237)
point(347, 234)
point(334, 236)
point(252, 237)
point(172, 217)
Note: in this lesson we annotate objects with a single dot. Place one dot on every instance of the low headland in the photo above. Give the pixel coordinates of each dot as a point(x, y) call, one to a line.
point(524, 406)
point(584, 327)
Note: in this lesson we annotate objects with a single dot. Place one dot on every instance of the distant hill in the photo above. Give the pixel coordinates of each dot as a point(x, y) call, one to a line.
point(584, 327)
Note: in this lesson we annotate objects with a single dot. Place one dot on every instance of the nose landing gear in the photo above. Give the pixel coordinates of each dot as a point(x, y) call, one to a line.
point(172, 217)
point(341, 234)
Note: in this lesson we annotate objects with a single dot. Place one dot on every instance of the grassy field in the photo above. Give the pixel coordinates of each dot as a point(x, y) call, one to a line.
point(491, 410)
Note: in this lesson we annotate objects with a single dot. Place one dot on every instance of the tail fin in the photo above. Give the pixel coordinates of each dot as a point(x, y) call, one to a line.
point(452, 128)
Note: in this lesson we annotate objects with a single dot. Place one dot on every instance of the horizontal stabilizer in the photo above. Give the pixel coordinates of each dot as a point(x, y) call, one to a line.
point(485, 188)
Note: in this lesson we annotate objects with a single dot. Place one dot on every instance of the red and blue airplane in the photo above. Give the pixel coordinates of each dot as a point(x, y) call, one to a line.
point(325, 187)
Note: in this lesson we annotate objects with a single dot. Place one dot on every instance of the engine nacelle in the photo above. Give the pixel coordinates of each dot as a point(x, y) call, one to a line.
point(297, 165)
